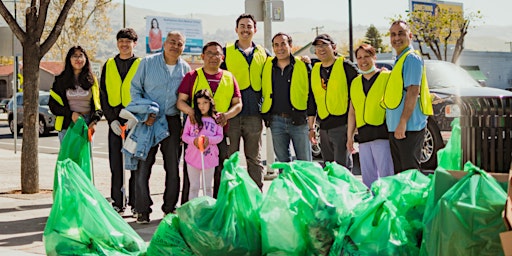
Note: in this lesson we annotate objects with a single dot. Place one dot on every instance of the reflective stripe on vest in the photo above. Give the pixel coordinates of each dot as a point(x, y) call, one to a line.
point(334, 99)
point(222, 95)
point(367, 107)
point(395, 88)
point(246, 75)
point(119, 91)
point(299, 87)
point(59, 120)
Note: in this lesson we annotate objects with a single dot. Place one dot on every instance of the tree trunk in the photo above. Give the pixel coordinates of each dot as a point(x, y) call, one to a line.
point(29, 149)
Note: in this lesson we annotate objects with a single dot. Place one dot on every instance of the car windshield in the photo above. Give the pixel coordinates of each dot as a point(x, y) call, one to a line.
point(448, 75)
point(43, 100)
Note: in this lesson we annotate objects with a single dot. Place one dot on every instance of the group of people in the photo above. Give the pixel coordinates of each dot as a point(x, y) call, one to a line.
point(240, 88)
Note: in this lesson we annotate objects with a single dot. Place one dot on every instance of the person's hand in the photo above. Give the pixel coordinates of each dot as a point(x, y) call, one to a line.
point(305, 59)
point(206, 142)
point(400, 131)
point(350, 145)
point(92, 128)
point(221, 119)
point(131, 123)
point(192, 118)
point(312, 136)
point(75, 116)
point(116, 127)
point(151, 119)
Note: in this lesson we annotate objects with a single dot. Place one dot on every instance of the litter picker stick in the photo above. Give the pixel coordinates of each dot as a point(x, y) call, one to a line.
point(200, 143)
point(89, 136)
point(123, 188)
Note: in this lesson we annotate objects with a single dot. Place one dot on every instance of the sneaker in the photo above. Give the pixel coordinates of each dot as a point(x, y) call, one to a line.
point(135, 214)
point(119, 210)
point(143, 218)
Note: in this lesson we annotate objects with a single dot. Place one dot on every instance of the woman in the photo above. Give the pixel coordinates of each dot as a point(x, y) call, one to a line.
point(155, 37)
point(366, 113)
point(75, 93)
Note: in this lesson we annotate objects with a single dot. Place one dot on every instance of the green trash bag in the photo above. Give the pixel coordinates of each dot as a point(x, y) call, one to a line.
point(466, 219)
point(75, 146)
point(82, 222)
point(302, 211)
point(167, 239)
point(229, 225)
point(450, 157)
point(379, 231)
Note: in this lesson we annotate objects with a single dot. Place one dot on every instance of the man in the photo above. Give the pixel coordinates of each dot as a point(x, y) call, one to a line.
point(158, 79)
point(330, 80)
point(286, 97)
point(245, 60)
point(116, 78)
point(404, 117)
point(226, 95)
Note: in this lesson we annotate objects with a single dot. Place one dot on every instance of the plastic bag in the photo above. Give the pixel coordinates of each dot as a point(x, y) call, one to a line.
point(466, 219)
point(82, 222)
point(229, 225)
point(302, 211)
point(76, 146)
point(167, 239)
point(450, 157)
point(379, 231)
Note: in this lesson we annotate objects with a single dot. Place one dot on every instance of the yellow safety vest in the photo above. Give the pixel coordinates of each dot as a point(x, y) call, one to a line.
point(334, 99)
point(367, 107)
point(95, 89)
point(222, 95)
point(119, 91)
point(299, 88)
point(246, 75)
point(395, 88)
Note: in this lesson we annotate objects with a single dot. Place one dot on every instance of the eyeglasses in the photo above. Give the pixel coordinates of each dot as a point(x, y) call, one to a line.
point(76, 57)
point(213, 54)
point(321, 46)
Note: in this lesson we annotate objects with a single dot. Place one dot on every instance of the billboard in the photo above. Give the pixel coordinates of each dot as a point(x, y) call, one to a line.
point(158, 27)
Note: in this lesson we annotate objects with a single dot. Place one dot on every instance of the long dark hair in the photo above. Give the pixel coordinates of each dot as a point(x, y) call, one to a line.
point(85, 78)
point(205, 94)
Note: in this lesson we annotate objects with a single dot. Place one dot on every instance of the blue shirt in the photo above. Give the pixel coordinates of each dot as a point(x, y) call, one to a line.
point(153, 81)
point(411, 74)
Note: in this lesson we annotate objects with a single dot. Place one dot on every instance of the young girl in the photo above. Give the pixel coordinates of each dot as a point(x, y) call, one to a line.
point(204, 109)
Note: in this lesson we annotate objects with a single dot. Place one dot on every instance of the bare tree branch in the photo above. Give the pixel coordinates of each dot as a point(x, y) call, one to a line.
point(13, 24)
point(57, 29)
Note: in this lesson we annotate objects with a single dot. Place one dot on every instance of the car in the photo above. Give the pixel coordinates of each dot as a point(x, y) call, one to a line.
point(448, 83)
point(46, 118)
point(3, 105)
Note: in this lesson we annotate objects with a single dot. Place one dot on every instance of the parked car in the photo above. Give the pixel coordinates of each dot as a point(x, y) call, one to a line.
point(448, 82)
point(46, 118)
point(3, 105)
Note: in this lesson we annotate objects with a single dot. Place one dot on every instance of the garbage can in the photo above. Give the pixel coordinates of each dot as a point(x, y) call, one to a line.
point(486, 129)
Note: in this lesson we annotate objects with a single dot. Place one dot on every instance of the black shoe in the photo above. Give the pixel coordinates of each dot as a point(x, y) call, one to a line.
point(143, 218)
point(119, 210)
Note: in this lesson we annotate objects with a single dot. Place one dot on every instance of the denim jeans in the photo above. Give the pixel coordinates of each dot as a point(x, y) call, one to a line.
point(170, 148)
point(249, 129)
point(283, 131)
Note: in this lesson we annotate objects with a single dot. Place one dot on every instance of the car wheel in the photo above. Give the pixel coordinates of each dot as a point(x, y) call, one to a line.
point(432, 143)
point(43, 128)
point(11, 126)
point(316, 151)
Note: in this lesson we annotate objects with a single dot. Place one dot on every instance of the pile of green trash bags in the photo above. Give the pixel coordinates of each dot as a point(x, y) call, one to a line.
point(450, 157)
point(81, 221)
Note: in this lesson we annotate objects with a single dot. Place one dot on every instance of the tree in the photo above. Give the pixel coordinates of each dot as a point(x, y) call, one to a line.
point(34, 48)
point(374, 38)
point(446, 27)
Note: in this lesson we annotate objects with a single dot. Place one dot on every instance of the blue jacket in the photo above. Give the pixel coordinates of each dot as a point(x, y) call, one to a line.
point(142, 137)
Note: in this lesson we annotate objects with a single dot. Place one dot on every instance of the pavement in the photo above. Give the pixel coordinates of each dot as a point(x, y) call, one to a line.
point(23, 216)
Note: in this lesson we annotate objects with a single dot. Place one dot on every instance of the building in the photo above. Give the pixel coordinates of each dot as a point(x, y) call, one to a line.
point(47, 72)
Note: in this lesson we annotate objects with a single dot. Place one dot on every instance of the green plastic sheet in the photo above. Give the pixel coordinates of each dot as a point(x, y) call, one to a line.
point(464, 217)
point(450, 157)
point(229, 225)
point(167, 239)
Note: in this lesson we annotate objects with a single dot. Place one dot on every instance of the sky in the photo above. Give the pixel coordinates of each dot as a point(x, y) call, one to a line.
point(364, 12)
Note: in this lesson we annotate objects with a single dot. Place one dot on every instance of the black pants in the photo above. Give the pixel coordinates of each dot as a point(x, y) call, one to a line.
point(115, 158)
point(406, 153)
point(170, 148)
point(223, 155)
point(186, 182)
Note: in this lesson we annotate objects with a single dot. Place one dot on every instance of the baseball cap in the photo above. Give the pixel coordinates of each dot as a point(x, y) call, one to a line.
point(324, 38)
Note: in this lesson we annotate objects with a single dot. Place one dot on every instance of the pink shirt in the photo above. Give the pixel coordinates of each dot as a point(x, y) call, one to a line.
point(211, 153)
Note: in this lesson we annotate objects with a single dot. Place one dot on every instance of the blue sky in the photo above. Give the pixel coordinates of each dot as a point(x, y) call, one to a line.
point(364, 12)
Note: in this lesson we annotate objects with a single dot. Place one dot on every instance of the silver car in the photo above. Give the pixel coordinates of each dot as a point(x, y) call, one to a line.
point(46, 118)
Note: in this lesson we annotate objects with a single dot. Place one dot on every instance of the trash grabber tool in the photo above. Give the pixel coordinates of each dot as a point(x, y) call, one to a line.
point(200, 143)
point(89, 137)
point(123, 188)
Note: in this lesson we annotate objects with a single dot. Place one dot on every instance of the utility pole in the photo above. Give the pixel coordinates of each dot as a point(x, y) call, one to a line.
point(350, 33)
point(124, 14)
point(509, 43)
point(317, 28)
